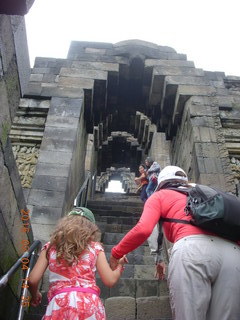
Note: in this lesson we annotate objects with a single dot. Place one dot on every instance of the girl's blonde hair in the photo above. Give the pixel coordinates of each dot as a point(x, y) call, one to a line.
point(71, 237)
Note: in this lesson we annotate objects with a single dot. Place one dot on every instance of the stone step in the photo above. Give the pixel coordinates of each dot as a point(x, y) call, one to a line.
point(121, 228)
point(117, 212)
point(143, 250)
point(110, 204)
point(144, 308)
point(113, 238)
point(117, 220)
point(135, 288)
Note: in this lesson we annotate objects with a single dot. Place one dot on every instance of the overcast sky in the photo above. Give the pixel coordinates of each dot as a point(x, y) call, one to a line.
point(207, 31)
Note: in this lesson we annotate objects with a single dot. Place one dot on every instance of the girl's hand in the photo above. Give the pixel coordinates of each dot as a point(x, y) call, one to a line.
point(35, 301)
point(113, 262)
point(123, 260)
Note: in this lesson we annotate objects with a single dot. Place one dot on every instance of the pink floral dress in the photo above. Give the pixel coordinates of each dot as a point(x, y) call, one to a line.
point(74, 305)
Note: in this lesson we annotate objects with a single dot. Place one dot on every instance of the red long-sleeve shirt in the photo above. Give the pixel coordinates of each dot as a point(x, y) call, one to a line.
point(164, 203)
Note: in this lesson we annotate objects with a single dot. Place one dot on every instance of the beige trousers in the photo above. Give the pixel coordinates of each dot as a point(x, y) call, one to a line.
point(204, 279)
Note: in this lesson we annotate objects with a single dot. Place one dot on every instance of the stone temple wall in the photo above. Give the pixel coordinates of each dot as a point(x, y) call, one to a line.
point(105, 104)
point(12, 199)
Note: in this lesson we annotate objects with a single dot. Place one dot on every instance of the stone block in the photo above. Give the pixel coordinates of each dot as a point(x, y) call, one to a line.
point(143, 259)
point(124, 287)
point(142, 250)
point(46, 198)
point(112, 238)
point(55, 157)
point(207, 149)
point(33, 89)
point(36, 77)
point(40, 70)
point(96, 65)
point(46, 182)
point(186, 80)
point(120, 308)
point(144, 271)
point(153, 308)
point(83, 73)
point(42, 232)
point(214, 180)
point(163, 288)
point(8, 203)
point(209, 165)
point(62, 121)
point(76, 82)
point(45, 215)
point(203, 134)
point(168, 63)
point(60, 133)
point(177, 70)
point(61, 91)
point(113, 228)
point(147, 288)
point(199, 110)
point(48, 77)
point(65, 107)
point(59, 171)
point(56, 144)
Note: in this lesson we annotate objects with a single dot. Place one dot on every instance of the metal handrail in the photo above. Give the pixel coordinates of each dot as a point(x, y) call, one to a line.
point(5, 278)
point(82, 196)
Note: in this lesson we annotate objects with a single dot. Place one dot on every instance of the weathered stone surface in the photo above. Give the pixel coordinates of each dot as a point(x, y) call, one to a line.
point(153, 308)
point(146, 287)
point(55, 157)
point(58, 171)
point(60, 91)
point(204, 134)
point(124, 287)
point(177, 70)
point(45, 215)
point(121, 308)
point(46, 198)
point(75, 82)
point(46, 182)
point(83, 73)
point(96, 65)
point(144, 272)
point(65, 107)
point(168, 63)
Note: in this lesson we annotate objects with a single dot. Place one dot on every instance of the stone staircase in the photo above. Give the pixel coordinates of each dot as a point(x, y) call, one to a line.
point(137, 295)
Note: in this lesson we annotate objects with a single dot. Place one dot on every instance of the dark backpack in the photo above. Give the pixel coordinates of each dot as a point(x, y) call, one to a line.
point(211, 209)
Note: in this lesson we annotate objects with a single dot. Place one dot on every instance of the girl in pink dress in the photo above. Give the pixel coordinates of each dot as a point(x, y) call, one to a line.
point(73, 255)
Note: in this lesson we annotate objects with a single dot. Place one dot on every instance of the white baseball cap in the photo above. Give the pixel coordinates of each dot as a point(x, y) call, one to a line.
point(171, 173)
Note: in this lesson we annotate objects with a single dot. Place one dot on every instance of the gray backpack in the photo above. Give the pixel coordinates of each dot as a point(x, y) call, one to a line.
point(211, 209)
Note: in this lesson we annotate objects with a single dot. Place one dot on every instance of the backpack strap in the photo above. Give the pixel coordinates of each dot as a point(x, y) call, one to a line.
point(181, 190)
point(175, 220)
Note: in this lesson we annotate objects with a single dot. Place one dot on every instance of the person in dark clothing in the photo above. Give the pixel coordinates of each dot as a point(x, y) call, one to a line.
point(153, 169)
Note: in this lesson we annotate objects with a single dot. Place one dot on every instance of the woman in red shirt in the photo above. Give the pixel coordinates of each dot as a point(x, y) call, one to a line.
point(204, 269)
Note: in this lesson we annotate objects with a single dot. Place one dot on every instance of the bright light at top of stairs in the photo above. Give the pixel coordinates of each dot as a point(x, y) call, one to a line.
point(115, 186)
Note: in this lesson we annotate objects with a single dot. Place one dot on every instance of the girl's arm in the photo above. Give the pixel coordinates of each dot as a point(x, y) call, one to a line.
point(35, 277)
point(108, 276)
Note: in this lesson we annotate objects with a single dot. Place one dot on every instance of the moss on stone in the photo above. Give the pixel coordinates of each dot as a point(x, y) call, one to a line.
point(5, 131)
